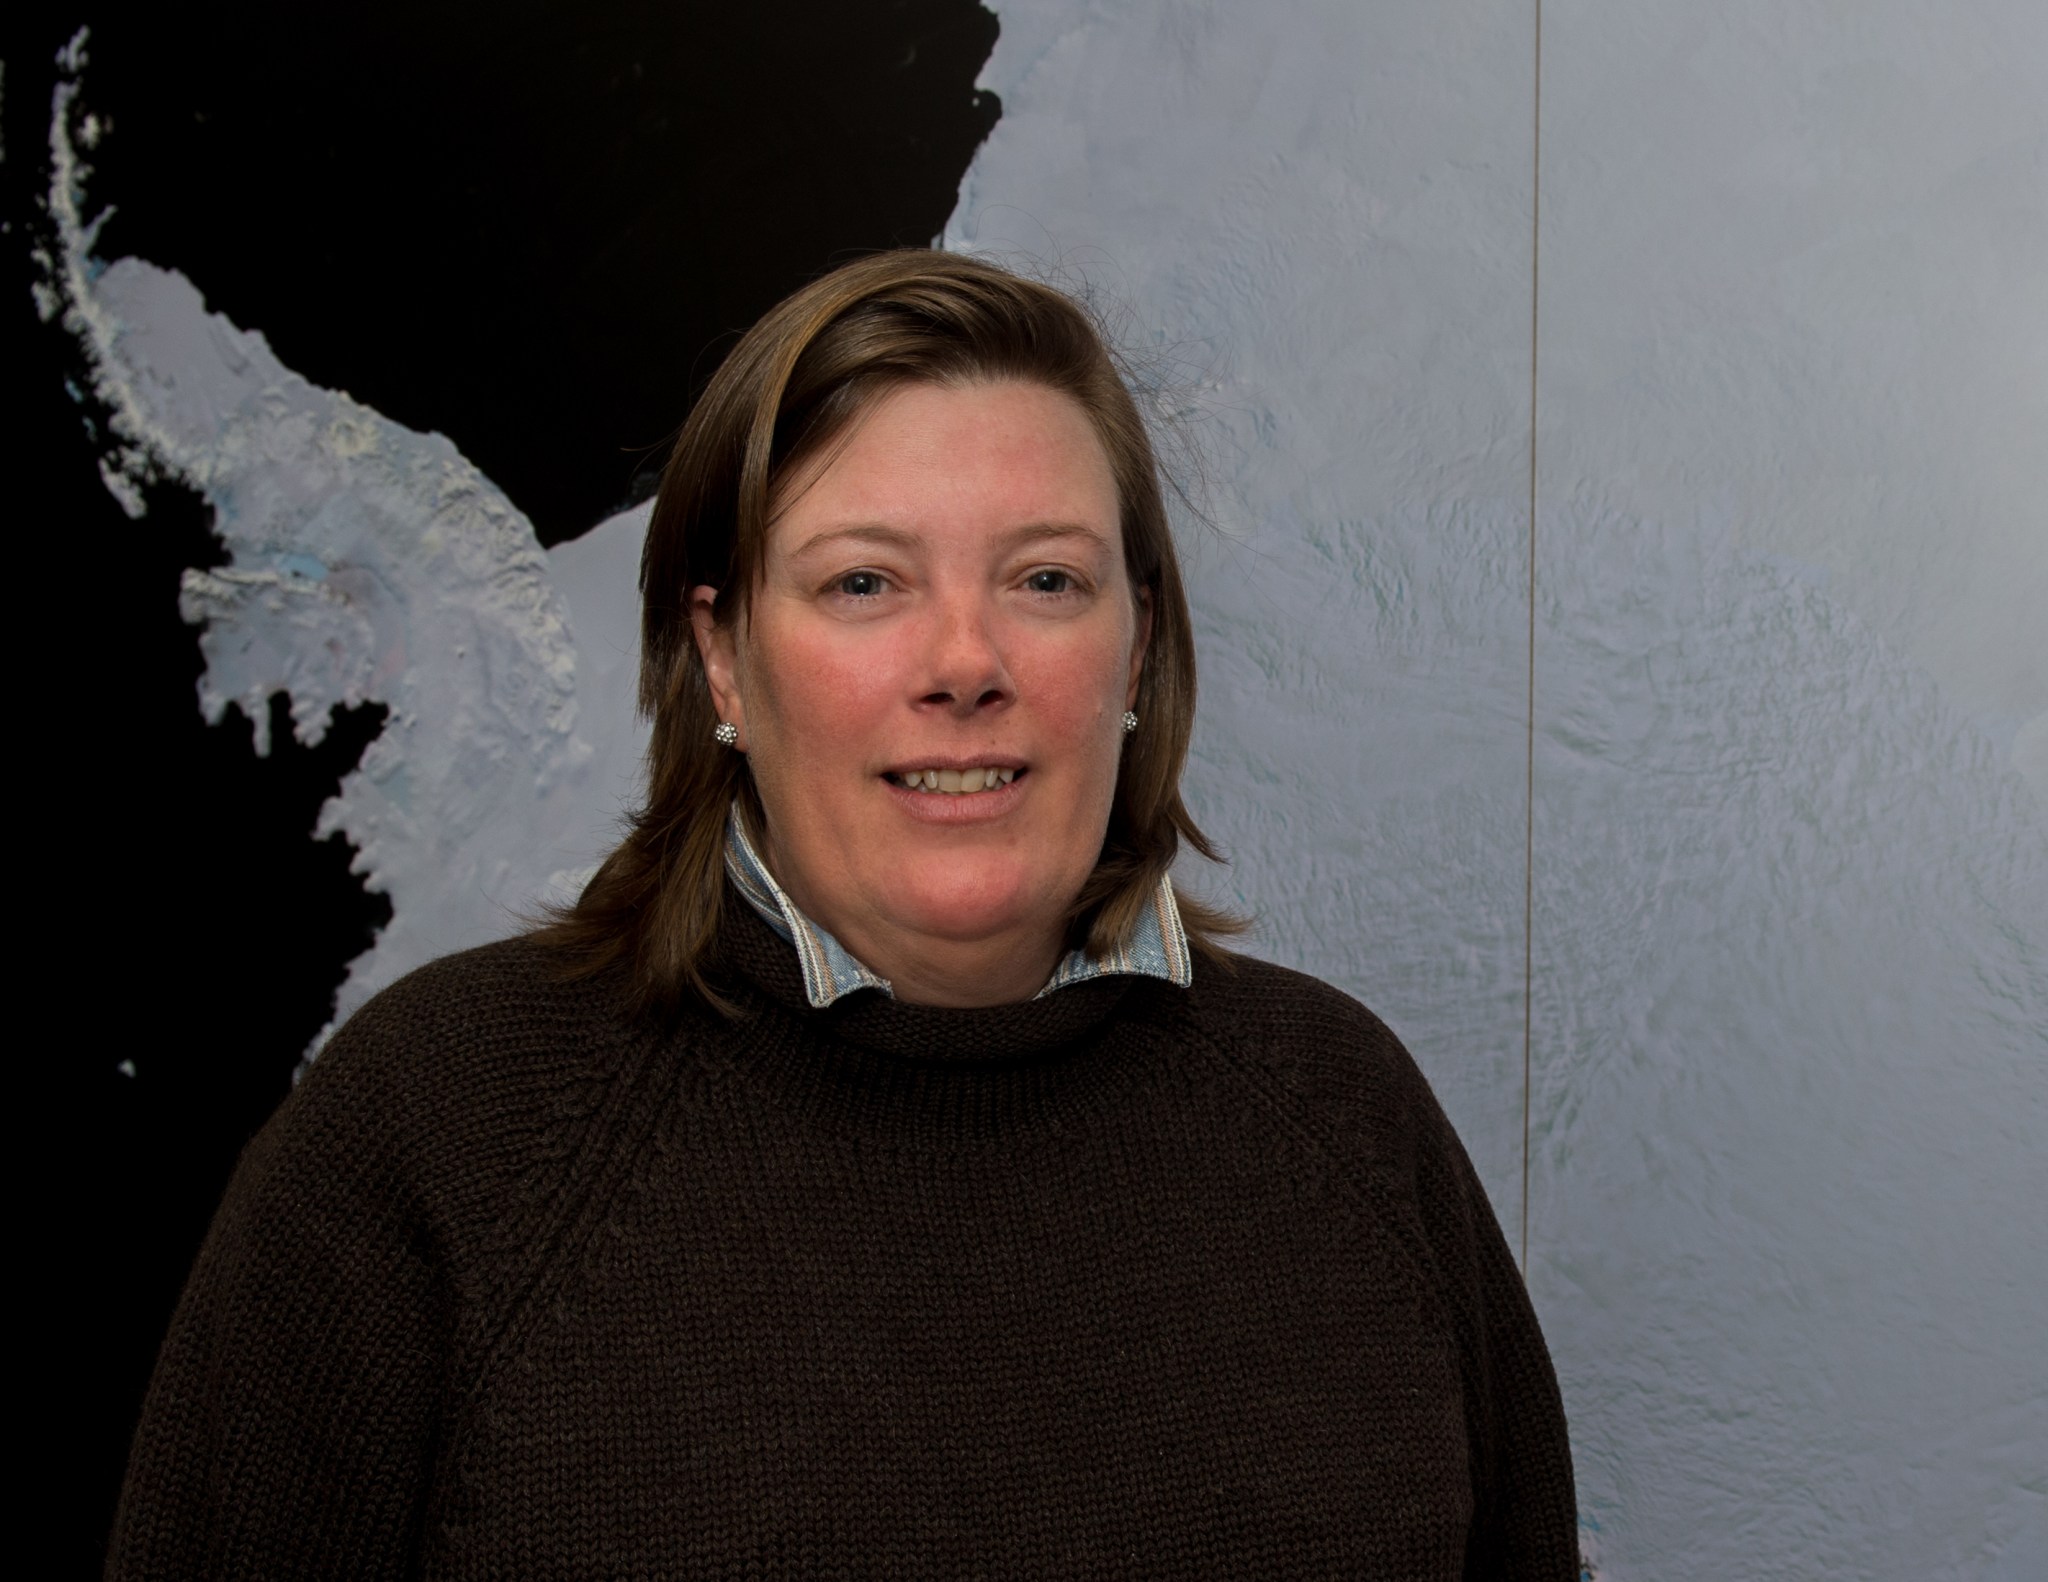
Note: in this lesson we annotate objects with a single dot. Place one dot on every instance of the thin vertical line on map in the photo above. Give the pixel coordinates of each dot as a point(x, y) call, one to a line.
point(1529, 741)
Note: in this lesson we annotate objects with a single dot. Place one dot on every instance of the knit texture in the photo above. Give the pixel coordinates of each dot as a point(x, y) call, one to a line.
point(1131, 1281)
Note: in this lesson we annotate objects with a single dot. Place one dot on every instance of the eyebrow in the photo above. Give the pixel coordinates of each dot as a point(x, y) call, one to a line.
point(899, 538)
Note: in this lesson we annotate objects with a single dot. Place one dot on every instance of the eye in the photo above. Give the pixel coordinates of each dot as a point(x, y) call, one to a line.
point(1050, 582)
point(861, 584)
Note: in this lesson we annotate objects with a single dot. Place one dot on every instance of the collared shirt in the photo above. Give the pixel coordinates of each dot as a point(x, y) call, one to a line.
point(1158, 946)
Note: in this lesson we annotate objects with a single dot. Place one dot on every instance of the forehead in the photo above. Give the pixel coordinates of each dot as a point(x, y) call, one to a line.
point(958, 460)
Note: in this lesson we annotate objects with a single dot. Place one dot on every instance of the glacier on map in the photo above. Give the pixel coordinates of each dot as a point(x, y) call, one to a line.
point(369, 563)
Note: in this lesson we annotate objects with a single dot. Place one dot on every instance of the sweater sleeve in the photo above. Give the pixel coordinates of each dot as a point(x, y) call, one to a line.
point(292, 1420)
point(1526, 1514)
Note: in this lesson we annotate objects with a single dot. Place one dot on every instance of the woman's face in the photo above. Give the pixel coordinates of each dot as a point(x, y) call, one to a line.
point(945, 599)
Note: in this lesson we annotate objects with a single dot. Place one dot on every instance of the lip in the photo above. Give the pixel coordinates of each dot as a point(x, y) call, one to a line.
point(979, 807)
point(955, 762)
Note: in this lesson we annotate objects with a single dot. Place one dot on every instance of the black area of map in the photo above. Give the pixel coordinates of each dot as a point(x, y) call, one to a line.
point(534, 227)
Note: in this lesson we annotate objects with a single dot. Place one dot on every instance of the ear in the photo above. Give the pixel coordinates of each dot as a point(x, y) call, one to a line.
point(1139, 644)
point(718, 647)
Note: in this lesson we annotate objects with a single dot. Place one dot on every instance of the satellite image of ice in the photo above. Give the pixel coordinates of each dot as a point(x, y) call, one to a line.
point(1724, 939)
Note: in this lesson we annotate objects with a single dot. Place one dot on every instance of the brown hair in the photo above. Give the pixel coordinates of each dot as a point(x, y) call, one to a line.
point(789, 389)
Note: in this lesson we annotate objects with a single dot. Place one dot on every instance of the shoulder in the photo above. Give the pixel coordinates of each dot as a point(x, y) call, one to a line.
point(450, 1086)
point(463, 1025)
point(468, 1015)
point(1246, 989)
point(374, 1245)
point(1349, 1092)
point(1327, 1060)
point(1307, 1033)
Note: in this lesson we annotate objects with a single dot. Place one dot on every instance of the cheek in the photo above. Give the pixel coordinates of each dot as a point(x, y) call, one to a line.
point(1079, 690)
point(807, 689)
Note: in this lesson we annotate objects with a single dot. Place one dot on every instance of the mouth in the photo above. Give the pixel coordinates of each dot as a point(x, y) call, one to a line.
point(955, 781)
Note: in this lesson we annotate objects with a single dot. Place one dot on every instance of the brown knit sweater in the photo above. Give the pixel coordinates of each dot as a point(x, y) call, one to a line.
point(1131, 1281)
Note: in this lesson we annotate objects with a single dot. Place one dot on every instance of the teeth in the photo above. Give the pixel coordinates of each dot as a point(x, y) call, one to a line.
point(956, 782)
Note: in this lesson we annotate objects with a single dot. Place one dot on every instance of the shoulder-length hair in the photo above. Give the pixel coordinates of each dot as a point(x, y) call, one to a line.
point(789, 389)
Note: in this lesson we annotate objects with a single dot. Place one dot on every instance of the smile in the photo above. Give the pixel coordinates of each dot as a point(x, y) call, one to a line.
point(953, 782)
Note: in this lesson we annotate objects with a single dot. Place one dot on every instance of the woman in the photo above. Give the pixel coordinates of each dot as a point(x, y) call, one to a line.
point(880, 1170)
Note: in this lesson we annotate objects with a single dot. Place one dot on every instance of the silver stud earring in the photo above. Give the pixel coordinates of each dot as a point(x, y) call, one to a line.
point(1130, 722)
point(726, 734)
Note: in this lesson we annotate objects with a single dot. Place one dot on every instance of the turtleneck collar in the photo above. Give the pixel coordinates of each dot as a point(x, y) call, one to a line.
point(926, 1078)
point(951, 1035)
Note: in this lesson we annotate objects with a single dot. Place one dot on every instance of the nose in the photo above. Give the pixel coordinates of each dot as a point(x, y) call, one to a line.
point(965, 672)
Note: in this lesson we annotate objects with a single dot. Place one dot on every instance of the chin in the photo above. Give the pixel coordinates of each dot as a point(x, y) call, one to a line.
point(965, 903)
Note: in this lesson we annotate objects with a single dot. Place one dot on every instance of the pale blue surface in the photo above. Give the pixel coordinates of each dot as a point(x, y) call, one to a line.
point(1789, 865)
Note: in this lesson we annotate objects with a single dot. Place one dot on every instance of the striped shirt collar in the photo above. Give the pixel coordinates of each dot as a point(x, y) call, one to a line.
point(1158, 947)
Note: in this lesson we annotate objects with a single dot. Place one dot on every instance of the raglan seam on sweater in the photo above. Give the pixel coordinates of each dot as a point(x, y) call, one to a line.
point(1463, 1324)
point(1460, 1337)
point(1377, 1207)
point(525, 1255)
point(620, 1174)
